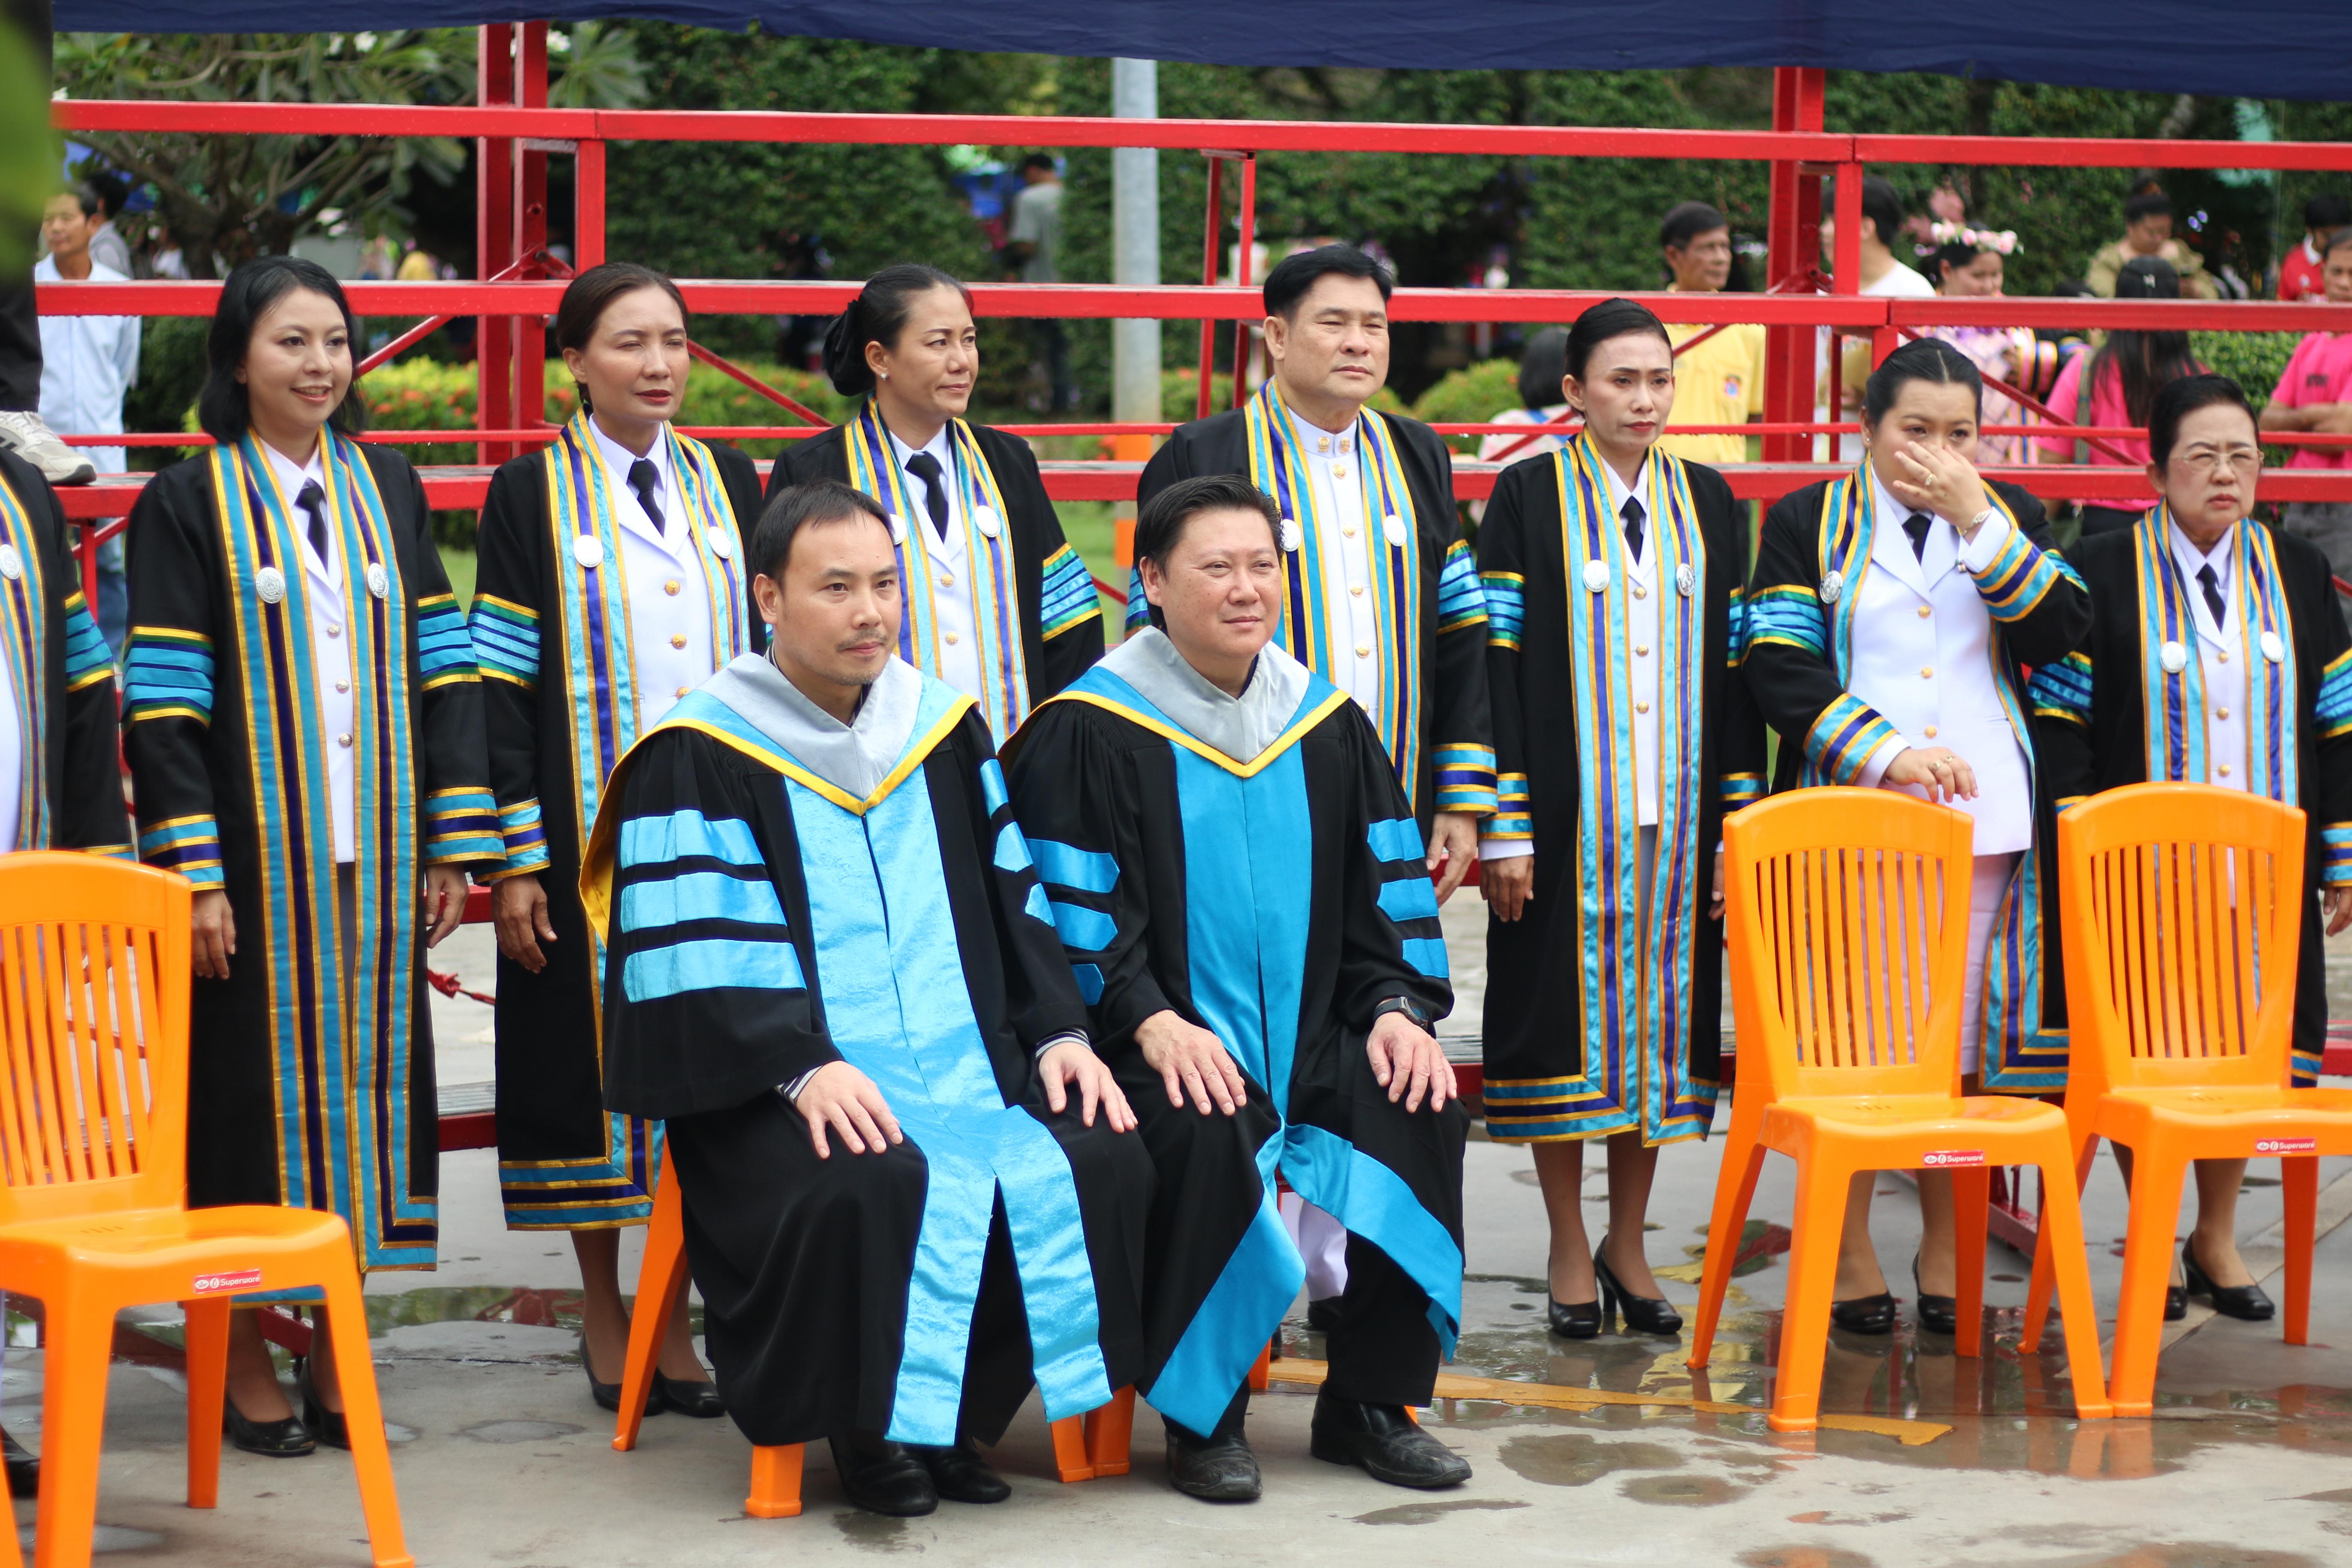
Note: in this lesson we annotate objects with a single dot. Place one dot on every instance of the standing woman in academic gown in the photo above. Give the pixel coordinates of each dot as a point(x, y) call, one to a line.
point(2236, 625)
point(304, 727)
point(611, 583)
point(1614, 575)
point(998, 604)
point(1888, 616)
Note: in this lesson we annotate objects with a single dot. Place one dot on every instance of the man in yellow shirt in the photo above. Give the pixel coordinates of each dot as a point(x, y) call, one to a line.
point(1720, 380)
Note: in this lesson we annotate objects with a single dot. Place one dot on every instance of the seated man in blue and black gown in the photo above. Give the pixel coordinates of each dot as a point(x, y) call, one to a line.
point(1241, 887)
point(911, 1188)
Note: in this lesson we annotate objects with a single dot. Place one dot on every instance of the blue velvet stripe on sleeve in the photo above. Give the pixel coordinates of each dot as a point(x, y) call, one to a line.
point(695, 892)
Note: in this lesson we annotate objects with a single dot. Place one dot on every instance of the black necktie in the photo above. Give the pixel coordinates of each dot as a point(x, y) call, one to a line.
point(645, 479)
point(314, 500)
point(926, 468)
point(1916, 525)
point(1631, 513)
point(2214, 595)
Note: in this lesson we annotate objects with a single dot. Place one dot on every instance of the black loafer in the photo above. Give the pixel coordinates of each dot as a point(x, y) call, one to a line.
point(1572, 1320)
point(1937, 1314)
point(1644, 1314)
point(1214, 1470)
point(284, 1439)
point(2250, 1303)
point(326, 1425)
point(1384, 1442)
point(698, 1397)
point(23, 1468)
point(959, 1474)
point(889, 1480)
point(2176, 1304)
point(608, 1395)
point(1864, 1314)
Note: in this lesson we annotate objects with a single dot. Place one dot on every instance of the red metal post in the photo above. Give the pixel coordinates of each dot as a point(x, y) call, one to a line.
point(1217, 224)
point(1242, 275)
point(494, 236)
point(530, 228)
point(1793, 236)
point(588, 206)
point(1845, 278)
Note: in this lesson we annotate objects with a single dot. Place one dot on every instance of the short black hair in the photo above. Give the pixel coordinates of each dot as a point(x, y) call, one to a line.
point(1039, 161)
point(1610, 319)
point(1159, 527)
point(2334, 242)
point(1689, 220)
point(223, 407)
point(1921, 359)
point(587, 296)
point(86, 196)
point(2148, 278)
point(878, 315)
point(108, 187)
point(795, 507)
point(1294, 277)
point(2326, 210)
point(1541, 364)
point(2176, 400)
point(1879, 204)
point(2148, 204)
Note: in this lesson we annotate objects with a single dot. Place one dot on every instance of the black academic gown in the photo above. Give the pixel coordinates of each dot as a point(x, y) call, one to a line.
point(748, 948)
point(564, 1163)
point(2091, 719)
point(63, 680)
point(311, 1073)
point(1549, 1080)
point(1448, 654)
point(1279, 907)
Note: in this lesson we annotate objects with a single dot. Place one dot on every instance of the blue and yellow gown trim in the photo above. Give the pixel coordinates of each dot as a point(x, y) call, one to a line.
point(24, 644)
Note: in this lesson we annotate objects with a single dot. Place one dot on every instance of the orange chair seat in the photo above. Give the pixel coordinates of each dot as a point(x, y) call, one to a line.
point(154, 1239)
point(2250, 1113)
point(1910, 1131)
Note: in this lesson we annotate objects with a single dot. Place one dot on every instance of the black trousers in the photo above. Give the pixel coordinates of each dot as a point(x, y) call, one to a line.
point(20, 328)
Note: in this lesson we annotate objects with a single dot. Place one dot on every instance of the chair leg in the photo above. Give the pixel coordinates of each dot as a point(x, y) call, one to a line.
point(207, 1346)
point(775, 1482)
point(1734, 1188)
point(73, 1429)
point(363, 1418)
point(1812, 1278)
point(2062, 1236)
point(660, 1279)
point(2301, 1181)
point(1260, 1369)
point(1108, 1432)
point(1070, 1449)
point(2037, 1292)
point(2147, 1269)
point(1971, 1219)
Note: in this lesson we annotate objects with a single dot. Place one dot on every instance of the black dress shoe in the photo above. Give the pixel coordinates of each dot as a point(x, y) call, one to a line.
point(1323, 1314)
point(1864, 1314)
point(1572, 1320)
point(608, 1395)
point(284, 1439)
point(2249, 1302)
point(1214, 1470)
point(697, 1396)
point(2176, 1304)
point(23, 1468)
point(326, 1425)
point(959, 1474)
point(887, 1481)
point(1937, 1314)
point(1644, 1314)
point(1384, 1442)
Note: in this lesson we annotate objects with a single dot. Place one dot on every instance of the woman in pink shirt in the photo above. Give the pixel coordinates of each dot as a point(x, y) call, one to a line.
point(2115, 385)
point(2315, 395)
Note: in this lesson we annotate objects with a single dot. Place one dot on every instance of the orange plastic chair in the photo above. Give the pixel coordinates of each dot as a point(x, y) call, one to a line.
point(1848, 912)
point(2182, 907)
point(1084, 1447)
point(93, 1187)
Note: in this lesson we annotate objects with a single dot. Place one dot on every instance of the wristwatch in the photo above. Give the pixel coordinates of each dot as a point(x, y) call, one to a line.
point(1406, 1006)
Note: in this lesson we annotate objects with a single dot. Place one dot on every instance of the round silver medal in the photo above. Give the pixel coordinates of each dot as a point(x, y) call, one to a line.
point(270, 584)
point(718, 540)
point(12, 565)
point(1832, 588)
point(1288, 534)
point(1392, 530)
point(1685, 580)
point(985, 519)
point(2274, 647)
point(1596, 576)
point(379, 581)
point(2173, 656)
point(589, 551)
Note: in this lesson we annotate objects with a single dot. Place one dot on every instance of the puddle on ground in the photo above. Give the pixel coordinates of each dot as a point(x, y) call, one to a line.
point(1430, 1512)
point(518, 1431)
point(1802, 1557)
point(1681, 1491)
point(1577, 1459)
point(874, 1532)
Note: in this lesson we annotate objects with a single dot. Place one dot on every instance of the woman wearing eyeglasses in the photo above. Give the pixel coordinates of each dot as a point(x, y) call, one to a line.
point(2235, 623)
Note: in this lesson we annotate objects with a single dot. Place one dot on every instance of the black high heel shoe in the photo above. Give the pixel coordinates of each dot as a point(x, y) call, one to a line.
point(283, 1439)
point(608, 1395)
point(1644, 1314)
point(1937, 1314)
point(697, 1396)
point(2250, 1303)
point(1864, 1314)
point(1572, 1320)
point(327, 1425)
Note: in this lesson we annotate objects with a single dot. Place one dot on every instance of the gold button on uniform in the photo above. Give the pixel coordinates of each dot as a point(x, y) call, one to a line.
point(678, 639)
point(1338, 470)
point(346, 686)
point(1640, 708)
point(342, 740)
point(334, 631)
point(2223, 655)
point(2225, 769)
point(1642, 650)
point(1349, 530)
point(672, 586)
point(1363, 650)
point(949, 637)
point(1926, 672)
point(1925, 612)
point(1640, 592)
point(947, 579)
point(1929, 731)
point(684, 690)
point(1357, 590)
point(2220, 713)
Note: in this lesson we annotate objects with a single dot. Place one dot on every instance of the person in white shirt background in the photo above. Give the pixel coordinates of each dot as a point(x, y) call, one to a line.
point(1891, 613)
point(1882, 274)
point(87, 365)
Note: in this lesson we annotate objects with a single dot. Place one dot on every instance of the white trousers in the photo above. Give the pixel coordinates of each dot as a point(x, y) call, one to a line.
point(1988, 886)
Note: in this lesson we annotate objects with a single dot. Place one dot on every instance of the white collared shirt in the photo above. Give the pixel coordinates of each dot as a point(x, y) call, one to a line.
point(12, 759)
point(1334, 476)
point(1642, 632)
point(87, 363)
point(946, 560)
point(2221, 655)
point(670, 650)
point(1923, 657)
point(330, 652)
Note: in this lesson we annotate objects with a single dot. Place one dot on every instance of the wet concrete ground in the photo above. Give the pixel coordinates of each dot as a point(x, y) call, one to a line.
point(504, 1462)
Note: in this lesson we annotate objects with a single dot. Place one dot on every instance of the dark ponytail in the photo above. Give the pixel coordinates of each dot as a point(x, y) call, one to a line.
point(1609, 318)
point(1922, 359)
point(878, 315)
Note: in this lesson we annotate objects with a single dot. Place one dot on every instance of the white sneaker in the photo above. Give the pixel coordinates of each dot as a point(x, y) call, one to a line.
point(27, 435)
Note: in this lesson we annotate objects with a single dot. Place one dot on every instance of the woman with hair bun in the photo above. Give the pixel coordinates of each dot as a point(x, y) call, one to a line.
point(611, 583)
point(1623, 732)
point(1888, 616)
point(998, 604)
